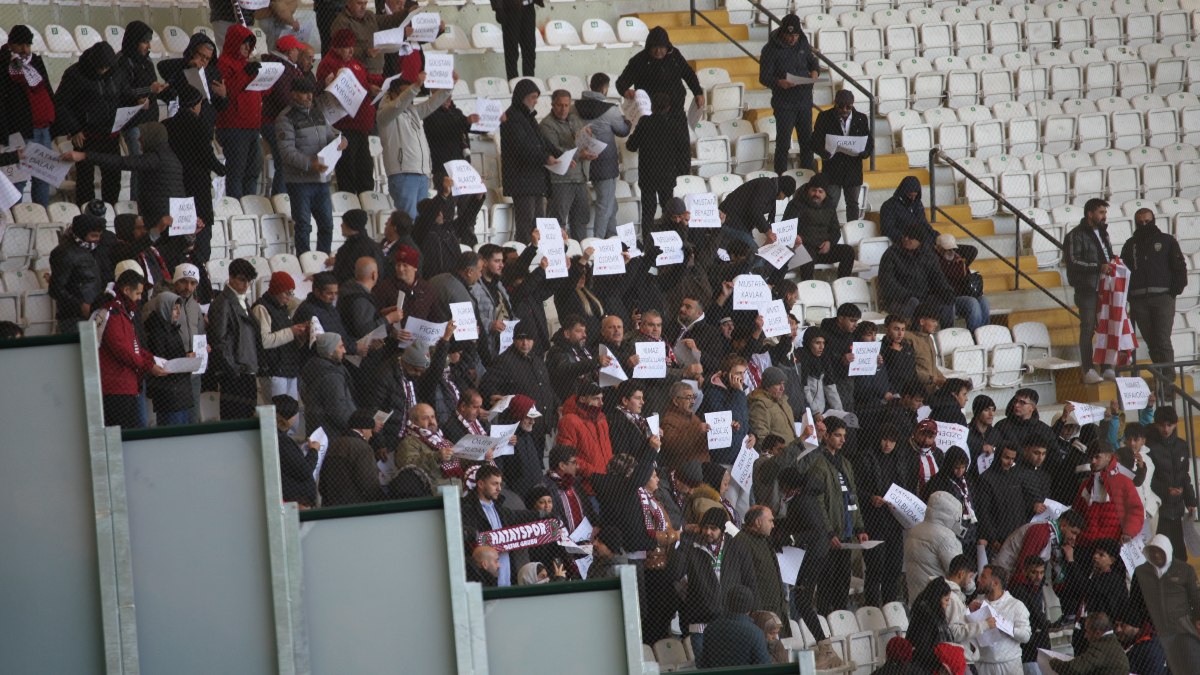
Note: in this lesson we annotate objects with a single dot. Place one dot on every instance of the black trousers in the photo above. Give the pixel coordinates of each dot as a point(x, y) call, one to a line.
point(239, 395)
point(355, 170)
point(1086, 301)
point(842, 254)
point(326, 12)
point(652, 199)
point(121, 410)
point(833, 586)
point(519, 37)
point(1154, 317)
point(850, 192)
point(787, 120)
point(110, 179)
point(1172, 528)
point(884, 568)
point(526, 210)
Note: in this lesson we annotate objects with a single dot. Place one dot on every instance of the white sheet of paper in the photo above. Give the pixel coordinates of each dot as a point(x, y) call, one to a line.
point(425, 27)
point(671, 245)
point(466, 326)
point(628, 236)
point(322, 439)
point(556, 257)
point(382, 416)
point(123, 116)
point(588, 143)
point(1053, 511)
point(383, 88)
point(268, 74)
point(503, 432)
point(775, 318)
point(612, 374)
point(489, 112)
point(742, 470)
point(506, 336)
point(44, 164)
point(183, 215)
point(1085, 413)
point(391, 40)
point(466, 180)
point(16, 172)
point(652, 360)
point(812, 441)
point(950, 435)
point(314, 329)
point(1132, 555)
point(694, 114)
point(400, 300)
point(425, 331)
point(254, 5)
point(907, 508)
point(847, 145)
point(642, 98)
point(550, 231)
point(750, 291)
point(364, 342)
point(608, 259)
point(777, 254)
point(798, 79)
point(500, 406)
point(1135, 393)
point(790, 560)
point(584, 564)
point(652, 422)
point(198, 78)
point(720, 429)
point(866, 359)
point(785, 231)
point(860, 545)
point(200, 348)
point(473, 448)
point(329, 156)
point(1043, 660)
point(583, 532)
point(703, 210)
point(346, 90)
point(563, 165)
point(186, 364)
point(799, 258)
point(1191, 538)
point(439, 71)
point(923, 413)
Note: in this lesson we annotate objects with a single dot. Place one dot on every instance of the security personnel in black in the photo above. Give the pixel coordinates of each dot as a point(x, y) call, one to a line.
point(1157, 273)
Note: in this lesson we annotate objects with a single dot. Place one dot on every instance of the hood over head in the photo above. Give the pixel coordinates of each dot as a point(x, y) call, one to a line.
point(1161, 542)
point(528, 576)
point(234, 37)
point(523, 89)
point(96, 58)
point(908, 184)
point(154, 134)
point(198, 40)
point(166, 303)
point(945, 510)
point(657, 37)
point(136, 33)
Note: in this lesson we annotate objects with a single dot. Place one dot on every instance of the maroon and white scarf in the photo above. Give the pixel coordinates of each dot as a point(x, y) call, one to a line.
point(637, 420)
point(652, 513)
point(434, 439)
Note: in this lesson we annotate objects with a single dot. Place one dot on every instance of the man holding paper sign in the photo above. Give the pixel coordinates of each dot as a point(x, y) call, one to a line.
point(569, 200)
point(604, 124)
point(303, 134)
point(19, 91)
point(833, 476)
point(406, 156)
point(852, 144)
point(240, 123)
point(362, 23)
point(343, 74)
point(787, 52)
point(526, 153)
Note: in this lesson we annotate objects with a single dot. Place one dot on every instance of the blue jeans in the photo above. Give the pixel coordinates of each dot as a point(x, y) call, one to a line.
point(974, 310)
point(605, 209)
point(407, 189)
point(243, 160)
point(40, 191)
point(735, 233)
point(133, 141)
point(311, 201)
point(268, 133)
point(169, 419)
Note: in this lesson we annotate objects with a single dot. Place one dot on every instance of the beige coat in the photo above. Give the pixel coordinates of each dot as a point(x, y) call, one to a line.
point(925, 355)
point(402, 131)
point(768, 416)
point(364, 30)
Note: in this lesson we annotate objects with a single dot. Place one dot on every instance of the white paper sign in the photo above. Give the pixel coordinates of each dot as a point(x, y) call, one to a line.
point(847, 145)
point(200, 349)
point(652, 360)
point(907, 508)
point(183, 215)
point(1086, 413)
point(489, 112)
point(254, 5)
point(186, 364)
point(268, 74)
point(503, 433)
point(950, 435)
point(1043, 660)
point(750, 291)
point(628, 236)
point(866, 359)
point(123, 116)
point(44, 164)
point(608, 259)
point(923, 413)
point(742, 470)
point(812, 441)
point(506, 336)
point(720, 429)
point(556, 258)
point(790, 560)
point(322, 439)
point(381, 417)
point(671, 245)
point(364, 343)
point(426, 26)
point(439, 71)
point(797, 79)
point(466, 179)
point(346, 90)
point(474, 448)
point(1053, 511)
point(777, 254)
point(499, 406)
point(785, 231)
point(16, 172)
point(703, 210)
point(775, 318)
point(198, 78)
point(563, 165)
point(1135, 393)
point(652, 422)
point(1132, 555)
point(549, 230)
point(612, 374)
point(586, 142)
point(642, 98)
point(425, 331)
point(329, 156)
point(466, 326)
point(390, 40)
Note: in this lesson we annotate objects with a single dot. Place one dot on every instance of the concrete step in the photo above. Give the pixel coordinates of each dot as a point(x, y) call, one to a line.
point(679, 26)
point(1005, 281)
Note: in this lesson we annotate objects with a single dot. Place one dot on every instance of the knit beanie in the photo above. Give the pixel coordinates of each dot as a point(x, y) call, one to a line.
point(281, 282)
point(326, 344)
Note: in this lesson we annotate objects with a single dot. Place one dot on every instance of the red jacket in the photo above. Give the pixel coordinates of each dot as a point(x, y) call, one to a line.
point(245, 107)
point(364, 119)
point(123, 360)
point(586, 430)
point(1121, 515)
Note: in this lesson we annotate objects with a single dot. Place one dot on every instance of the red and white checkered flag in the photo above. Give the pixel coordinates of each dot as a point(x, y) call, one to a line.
point(1114, 343)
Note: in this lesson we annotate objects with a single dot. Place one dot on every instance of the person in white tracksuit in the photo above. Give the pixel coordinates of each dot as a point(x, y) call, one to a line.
point(1002, 657)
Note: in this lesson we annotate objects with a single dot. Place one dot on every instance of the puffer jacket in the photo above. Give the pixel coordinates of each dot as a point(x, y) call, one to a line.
point(587, 432)
point(136, 72)
point(1084, 255)
point(562, 135)
point(1000, 503)
point(524, 148)
point(87, 100)
point(402, 131)
point(327, 395)
point(777, 61)
point(899, 211)
point(905, 274)
point(245, 107)
point(301, 134)
point(233, 336)
point(607, 123)
point(1121, 515)
point(1172, 461)
point(124, 360)
point(364, 119)
point(280, 94)
point(75, 278)
point(933, 543)
point(768, 416)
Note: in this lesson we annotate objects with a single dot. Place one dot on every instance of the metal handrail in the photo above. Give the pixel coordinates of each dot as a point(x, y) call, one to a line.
point(771, 20)
point(1190, 405)
point(934, 210)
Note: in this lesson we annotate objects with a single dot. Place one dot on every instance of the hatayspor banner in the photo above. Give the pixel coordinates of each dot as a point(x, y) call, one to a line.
point(525, 535)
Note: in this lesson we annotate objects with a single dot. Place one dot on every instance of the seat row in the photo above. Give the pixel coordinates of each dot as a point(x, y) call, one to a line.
point(884, 13)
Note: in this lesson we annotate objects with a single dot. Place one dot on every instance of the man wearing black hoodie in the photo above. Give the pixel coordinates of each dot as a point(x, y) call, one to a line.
point(189, 137)
point(660, 68)
point(526, 154)
point(136, 71)
point(787, 52)
point(905, 208)
point(1157, 273)
point(201, 53)
point(86, 103)
point(28, 99)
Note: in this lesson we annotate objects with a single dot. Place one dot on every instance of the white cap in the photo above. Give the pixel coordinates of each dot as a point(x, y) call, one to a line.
point(125, 266)
point(533, 413)
point(186, 271)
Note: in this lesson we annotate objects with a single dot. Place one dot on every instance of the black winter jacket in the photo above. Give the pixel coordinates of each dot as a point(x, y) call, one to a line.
point(667, 74)
point(87, 100)
point(777, 61)
point(905, 274)
point(664, 150)
point(1084, 255)
point(170, 393)
point(751, 205)
point(136, 72)
point(356, 246)
point(691, 567)
point(327, 395)
point(172, 70)
point(330, 318)
point(524, 148)
point(358, 311)
point(15, 114)
point(1156, 264)
point(296, 466)
point(1172, 462)
point(159, 171)
point(899, 211)
point(74, 278)
point(999, 492)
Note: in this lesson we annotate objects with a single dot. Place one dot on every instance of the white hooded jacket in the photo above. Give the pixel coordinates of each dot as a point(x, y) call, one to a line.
point(1008, 651)
point(933, 543)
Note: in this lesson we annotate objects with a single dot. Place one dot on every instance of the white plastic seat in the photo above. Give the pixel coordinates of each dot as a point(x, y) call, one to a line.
point(1128, 129)
point(563, 34)
point(1004, 36)
point(1066, 81)
point(1088, 183)
point(1059, 133)
point(903, 40)
point(1074, 32)
point(487, 36)
point(860, 643)
point(958, 352)
point(1157, 180)
point(1033, 84)
point(996, 86)
point(632, 29)
point(834, 43)
point(1140, 29)
point(1162, 127)
point(29, 213)
point(1110, 157)
point(1053, 187)
point(1040, 33)
point(1107, 31)
point(891, 92)
point(59, 41)
point(1093, 131)
point(670, 654)
point(1018, 188)
point(962, 88)
point(817, 298)
point(937, 38)
point(1174, 26)
point(917, 139)
point(928, 89)
point(1180, 152)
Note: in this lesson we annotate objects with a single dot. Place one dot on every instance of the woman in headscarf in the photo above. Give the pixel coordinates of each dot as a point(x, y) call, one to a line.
point(821, 394)
point(535, 573)
point(770, 625)
point(171, 394)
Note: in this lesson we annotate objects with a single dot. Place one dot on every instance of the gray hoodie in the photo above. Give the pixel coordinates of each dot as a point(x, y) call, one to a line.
point(606, 122)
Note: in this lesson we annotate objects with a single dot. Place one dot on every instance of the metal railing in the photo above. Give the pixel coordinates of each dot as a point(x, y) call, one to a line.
point(936, 155)
point(773, 20)
point(1167, 377)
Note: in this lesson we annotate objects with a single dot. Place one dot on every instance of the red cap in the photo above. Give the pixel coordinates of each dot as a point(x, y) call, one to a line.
point(287, 43)
point(343, 38)
point(927, 425)
point(408, 255)
point(281, 282)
